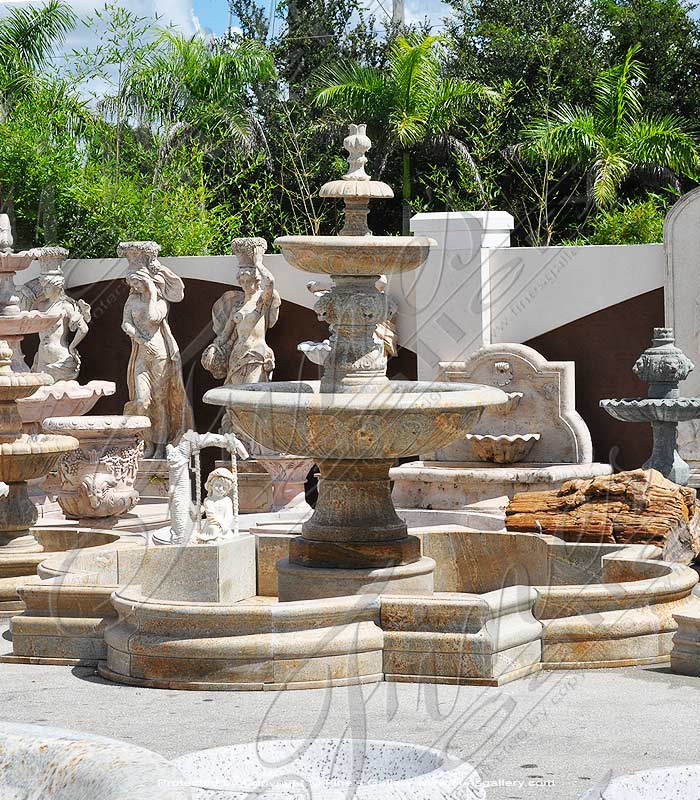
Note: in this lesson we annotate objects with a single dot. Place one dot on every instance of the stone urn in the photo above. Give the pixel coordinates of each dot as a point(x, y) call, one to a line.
point(97, 479)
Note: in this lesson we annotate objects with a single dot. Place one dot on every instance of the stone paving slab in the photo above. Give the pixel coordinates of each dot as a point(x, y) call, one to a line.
point(570, 728)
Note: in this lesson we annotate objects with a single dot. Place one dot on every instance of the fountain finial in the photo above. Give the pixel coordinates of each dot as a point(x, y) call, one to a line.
point(357, 143)
point(356, 187)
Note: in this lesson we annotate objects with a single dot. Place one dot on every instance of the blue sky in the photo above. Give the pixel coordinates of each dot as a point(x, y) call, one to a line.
point(212, 14)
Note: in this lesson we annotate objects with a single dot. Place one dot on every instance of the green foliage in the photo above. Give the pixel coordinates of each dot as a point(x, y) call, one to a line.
point(633, 222)
point(191, 141)
point(408, 103)
point(615, 140)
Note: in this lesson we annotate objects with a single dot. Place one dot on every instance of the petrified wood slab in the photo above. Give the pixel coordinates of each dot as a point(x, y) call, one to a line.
point(640, 507)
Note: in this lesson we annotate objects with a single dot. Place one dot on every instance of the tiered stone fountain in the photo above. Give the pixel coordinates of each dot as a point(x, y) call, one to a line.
point(662, 366)
point(24, 456)
point(356, 422)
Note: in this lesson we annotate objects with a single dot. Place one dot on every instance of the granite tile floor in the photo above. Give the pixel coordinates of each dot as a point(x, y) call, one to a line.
point(550, 736)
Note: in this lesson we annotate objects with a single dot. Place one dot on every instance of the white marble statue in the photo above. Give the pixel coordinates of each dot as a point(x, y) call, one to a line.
point(219, 515)
point(239, 353)
point(186, 513)
point(58, 345)
point(156, 388)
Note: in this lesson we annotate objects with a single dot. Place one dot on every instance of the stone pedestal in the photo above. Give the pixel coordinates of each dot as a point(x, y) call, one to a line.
point(97, 479)
point(685, 653)
point(297, 582)
point(152, 478)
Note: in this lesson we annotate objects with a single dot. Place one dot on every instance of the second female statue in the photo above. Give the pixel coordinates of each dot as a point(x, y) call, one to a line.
point(156, 388)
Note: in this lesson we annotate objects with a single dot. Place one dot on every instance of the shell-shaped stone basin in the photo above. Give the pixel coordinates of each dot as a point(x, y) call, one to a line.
point(401, 418)
point(63, 399)
point(503, 449)
point(32, 456)
point(649, 409)
point(26, 322)
point(355, 255)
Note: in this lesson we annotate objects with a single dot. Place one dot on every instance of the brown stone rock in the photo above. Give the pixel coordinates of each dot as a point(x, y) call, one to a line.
point(640, 507)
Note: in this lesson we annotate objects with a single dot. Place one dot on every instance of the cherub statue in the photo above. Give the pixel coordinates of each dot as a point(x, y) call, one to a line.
point(156, 388)
point(220, 517)
point(58, 345)
point(239, 353)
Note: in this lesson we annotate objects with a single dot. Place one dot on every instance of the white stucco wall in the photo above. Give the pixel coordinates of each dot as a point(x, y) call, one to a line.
point(474, 289)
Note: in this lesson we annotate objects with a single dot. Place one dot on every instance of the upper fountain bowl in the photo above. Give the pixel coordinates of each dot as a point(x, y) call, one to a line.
point(364, 256)
point(397, 419)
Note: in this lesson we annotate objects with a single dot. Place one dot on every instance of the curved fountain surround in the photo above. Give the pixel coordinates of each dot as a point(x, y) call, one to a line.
point(662, 366)
point(328, 769)
point(355, 422)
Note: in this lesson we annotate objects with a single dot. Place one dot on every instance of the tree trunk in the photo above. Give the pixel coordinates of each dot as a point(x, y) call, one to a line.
point(406, 194)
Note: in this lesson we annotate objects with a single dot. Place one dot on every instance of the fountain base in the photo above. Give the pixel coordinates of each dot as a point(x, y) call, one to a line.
point(315, 583)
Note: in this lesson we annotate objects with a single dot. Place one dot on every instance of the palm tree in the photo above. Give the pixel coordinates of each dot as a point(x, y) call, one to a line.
point(410, 102)
point(28, 36)
point(188, 88)
point(615, 139)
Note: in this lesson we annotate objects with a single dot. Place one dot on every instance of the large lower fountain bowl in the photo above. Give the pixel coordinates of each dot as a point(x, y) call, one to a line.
point(397, 419)
point(328, 769)
point(649, 409)
point(32, 456)
point(355, 255)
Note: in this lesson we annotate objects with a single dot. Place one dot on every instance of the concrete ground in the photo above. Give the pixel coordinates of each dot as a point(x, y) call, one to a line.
point(549, 737)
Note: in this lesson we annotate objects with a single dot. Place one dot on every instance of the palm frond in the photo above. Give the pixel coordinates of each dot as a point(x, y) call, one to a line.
point(664, 141)
point(617, 90)
point(569, 134)
point(352, 88)
point(607, 173)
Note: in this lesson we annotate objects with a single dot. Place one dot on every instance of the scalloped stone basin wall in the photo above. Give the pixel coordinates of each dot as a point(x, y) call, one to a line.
point(328, 769)
point(670, 783)
point(506, 605)
point(20, 567)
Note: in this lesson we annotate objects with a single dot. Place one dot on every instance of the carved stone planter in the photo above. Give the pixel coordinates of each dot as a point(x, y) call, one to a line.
point(97, 479)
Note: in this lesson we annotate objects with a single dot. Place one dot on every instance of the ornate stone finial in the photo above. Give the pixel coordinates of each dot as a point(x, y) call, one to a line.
point(248, 249)
point(5, 358)
point(138, 254)
point(357, 143)
point(663, 365)
point(6, 240)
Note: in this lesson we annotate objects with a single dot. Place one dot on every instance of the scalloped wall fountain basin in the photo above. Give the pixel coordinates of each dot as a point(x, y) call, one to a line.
point(356, 422)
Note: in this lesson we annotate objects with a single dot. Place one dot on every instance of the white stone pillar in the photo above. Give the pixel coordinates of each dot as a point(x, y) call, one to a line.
point(449, 293)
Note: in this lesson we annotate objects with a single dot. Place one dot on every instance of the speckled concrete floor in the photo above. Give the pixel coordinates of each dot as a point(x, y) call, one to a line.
point(550, 737)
